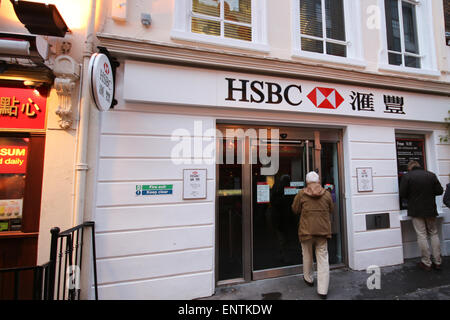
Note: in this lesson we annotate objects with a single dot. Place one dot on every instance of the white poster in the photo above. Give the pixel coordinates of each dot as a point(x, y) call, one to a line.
point(263, 192)
point(194, 184)
point(364, 179)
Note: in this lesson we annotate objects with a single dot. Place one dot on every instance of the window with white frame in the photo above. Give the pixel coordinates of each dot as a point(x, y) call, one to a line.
point(328, 30)
point(401, 31)
point(408, 37)
point(322, 27)
point(222, 18)
point(236, 23)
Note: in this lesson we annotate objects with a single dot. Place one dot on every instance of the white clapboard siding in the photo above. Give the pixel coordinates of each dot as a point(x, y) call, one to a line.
point(373, 151)
point(443, 151)
point(374, 147)
point(444, 167)
point(377, 239)
point(371, 134)
point(380, 185)
point(156, 265)
point(124, 193)
point(380, 168)
point(185, 287)
point(128, 243)
point(157, 246)
point(147, 169)
point(154, 216)
point(154, 147)
point(154, 124)
point(380, 257)
point(375, 203)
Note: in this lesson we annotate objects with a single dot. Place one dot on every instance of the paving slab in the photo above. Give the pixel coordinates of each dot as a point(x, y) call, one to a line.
point(400, 282)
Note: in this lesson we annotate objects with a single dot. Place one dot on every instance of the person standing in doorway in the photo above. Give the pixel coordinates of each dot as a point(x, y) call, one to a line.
point(420, 188)
point(314, 204)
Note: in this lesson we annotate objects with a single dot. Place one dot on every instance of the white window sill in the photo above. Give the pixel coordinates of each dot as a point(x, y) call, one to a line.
point(318, 57)
point(408, 70)
point(232, 43)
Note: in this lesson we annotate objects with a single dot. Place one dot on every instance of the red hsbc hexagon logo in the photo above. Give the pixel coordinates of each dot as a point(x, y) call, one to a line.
point(106, 67)
point(325, 98)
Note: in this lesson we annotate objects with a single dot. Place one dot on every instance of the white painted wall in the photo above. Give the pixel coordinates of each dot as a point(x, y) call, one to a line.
point(366, 21)
point(373, 147)
point(153, 247)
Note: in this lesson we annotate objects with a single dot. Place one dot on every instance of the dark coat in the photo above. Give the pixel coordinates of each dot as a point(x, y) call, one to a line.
point(447, 196)
point(420, 188)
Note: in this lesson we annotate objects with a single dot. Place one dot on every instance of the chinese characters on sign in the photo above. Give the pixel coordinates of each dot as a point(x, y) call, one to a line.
point(8, 107)
point(362, 101)
point(365, 102)
point(21, 108)
point(394, 104)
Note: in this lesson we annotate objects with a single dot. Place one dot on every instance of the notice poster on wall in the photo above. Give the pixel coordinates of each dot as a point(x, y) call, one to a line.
point(194, 184)
point(365, 179)
point(262, 193)
point(408, 150)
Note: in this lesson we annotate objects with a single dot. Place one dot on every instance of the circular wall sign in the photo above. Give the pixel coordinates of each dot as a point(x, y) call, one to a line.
point(102, 81)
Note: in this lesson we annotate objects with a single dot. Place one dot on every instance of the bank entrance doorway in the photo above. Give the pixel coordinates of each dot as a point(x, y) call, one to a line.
point(260, 170)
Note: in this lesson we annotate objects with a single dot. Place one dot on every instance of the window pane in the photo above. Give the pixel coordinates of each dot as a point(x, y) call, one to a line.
point(312, 45)
point(206, 26)
point(311, 17)
point(208, 7)
point(393, 25)
point(410, 28)
point(238, 10)
point(334, 11)
point(13, 164)
point(412, 62)
point(238, 32)
point(336, 49)
point(395, 59)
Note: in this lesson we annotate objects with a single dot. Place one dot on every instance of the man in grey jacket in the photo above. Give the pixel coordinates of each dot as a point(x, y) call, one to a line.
point(420, 188)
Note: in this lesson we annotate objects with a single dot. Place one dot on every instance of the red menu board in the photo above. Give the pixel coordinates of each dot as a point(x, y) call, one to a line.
point(13, 159)
point(22, 108)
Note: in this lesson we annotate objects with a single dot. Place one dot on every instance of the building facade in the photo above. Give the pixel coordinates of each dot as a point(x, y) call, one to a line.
point(223, 107)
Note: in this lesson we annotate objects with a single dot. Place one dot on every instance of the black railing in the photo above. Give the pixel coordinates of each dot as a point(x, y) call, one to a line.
point(55, 280)
point(20, 276)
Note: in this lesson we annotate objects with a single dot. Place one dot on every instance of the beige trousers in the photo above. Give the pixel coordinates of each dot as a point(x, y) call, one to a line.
point(323, 267)
point(425, 227)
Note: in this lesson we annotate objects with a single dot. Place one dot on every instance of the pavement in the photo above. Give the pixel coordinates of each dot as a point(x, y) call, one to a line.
point(400, 282)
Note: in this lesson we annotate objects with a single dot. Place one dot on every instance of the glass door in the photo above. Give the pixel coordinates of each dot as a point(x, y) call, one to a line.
point(276, 248)
point(257, 233)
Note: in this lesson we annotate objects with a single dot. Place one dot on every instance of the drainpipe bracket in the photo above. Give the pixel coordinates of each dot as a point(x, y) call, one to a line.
point(82, 167)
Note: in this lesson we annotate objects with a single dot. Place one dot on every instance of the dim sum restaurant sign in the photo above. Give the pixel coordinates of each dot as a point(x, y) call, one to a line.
point(22, 109)
point(13, 159)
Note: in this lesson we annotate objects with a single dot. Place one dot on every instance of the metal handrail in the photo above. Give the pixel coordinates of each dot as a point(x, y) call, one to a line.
point(46, 278)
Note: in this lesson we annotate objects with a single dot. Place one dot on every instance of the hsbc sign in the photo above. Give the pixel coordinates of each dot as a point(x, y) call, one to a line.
point(325, 98)
point(273, 93)
point(182, 85)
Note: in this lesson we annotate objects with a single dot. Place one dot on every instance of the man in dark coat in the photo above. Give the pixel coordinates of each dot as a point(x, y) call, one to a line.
point(447, 196)
point(420, 188)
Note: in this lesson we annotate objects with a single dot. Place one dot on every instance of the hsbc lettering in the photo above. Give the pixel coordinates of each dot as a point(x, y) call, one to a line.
point(262, 92)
